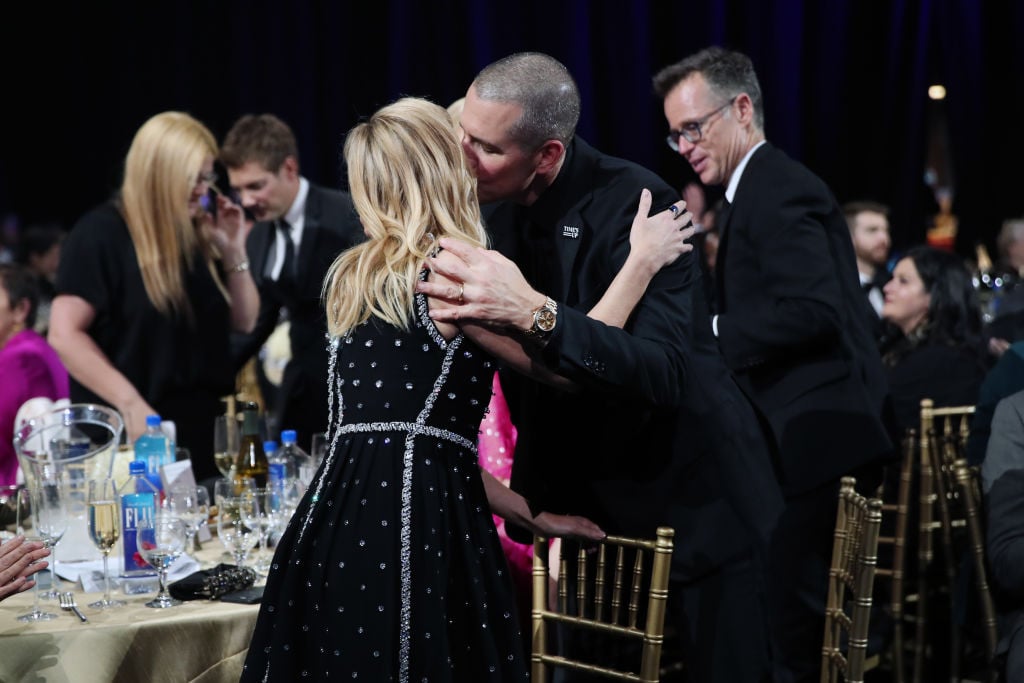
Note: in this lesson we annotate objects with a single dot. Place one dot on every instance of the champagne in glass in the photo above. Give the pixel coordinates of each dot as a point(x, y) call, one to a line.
point(104, 530)
point(225, 443)
point(161, 540)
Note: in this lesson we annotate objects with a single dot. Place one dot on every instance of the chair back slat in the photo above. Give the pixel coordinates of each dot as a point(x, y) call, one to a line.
point(581, 581)
point(620, 560)
point(599, 583)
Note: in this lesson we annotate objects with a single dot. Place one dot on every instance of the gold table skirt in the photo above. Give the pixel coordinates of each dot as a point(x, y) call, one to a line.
point(199, 641)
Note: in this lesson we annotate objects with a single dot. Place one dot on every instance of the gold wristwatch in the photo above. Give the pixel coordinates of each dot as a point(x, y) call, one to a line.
point(544, 320)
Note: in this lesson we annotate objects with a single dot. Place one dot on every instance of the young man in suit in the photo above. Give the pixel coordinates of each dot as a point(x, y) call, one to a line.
point(300, 228)
point(869, 230)
point(793, 326)
point(633, 449)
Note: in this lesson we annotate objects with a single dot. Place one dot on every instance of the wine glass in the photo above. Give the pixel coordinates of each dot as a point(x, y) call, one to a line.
point(234, 528)
point(259, 516)
point(41, 518)
point(161, 540)
point(49, 477)
point(231, 488)
point(225, 443)
point(104, 530)
point(191, 504)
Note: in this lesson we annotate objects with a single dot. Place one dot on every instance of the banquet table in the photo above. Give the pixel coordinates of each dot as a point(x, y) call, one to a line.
point(199, 641)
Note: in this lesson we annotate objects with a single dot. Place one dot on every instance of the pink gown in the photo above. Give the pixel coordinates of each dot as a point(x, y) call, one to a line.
point(496, 448)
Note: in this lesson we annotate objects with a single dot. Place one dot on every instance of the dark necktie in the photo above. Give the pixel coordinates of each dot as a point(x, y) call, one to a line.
point(722, 217)
point(287, 275)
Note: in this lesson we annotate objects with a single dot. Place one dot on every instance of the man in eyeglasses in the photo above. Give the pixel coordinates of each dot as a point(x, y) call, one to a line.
point(300, 228)
point(792, 324)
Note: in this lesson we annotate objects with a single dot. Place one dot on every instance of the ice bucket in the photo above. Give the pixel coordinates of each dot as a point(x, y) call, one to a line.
point(75, 443)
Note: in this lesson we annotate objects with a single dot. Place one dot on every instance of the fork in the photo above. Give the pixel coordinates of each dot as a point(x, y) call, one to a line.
point(67, 602)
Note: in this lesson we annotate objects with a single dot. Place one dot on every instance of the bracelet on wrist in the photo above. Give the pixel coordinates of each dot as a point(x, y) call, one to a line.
point(239, 267)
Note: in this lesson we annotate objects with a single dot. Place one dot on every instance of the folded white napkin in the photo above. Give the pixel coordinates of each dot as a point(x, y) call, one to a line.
point(90, 573)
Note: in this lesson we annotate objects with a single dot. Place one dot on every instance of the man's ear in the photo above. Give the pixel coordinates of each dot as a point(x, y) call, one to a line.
point(549, 156)
point(744, 108)
point(290, 167)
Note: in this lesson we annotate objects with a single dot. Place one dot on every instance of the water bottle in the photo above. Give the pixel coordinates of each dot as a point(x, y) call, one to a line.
point(299, 463)
point(138, 502)
point(153, 448)
point(277, 468)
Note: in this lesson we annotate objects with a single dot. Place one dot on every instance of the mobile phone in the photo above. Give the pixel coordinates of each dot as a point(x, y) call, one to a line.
point(247, 596)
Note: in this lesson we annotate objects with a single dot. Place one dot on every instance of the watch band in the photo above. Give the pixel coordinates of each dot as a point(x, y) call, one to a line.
point(544, 320)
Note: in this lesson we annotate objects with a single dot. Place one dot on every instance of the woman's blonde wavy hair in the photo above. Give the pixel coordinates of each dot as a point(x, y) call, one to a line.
point(410, 186)
point(160, 173)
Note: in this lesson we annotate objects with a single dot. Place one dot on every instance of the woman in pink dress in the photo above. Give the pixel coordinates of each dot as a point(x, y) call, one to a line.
point(29, 367)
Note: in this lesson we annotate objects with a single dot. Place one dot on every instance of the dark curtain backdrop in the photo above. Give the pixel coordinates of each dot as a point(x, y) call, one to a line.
point(844, 84)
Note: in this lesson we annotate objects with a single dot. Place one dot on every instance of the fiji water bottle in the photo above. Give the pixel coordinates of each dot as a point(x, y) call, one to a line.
point(138, 501)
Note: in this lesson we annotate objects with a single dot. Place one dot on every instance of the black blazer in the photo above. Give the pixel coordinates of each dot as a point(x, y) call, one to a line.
point(331, 226)
point(794, 325)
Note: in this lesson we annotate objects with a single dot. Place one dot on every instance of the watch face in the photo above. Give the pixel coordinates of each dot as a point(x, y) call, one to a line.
point(545, 321)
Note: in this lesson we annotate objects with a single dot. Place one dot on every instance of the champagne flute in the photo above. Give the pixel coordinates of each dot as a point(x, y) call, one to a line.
point(41, 518)
point(161, 540)
point(104, 530)
point(235, 532)
point(225, 443)
point(191, 504)
point(50, 476)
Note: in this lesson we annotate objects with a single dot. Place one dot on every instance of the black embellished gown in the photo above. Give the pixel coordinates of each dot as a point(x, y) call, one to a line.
point(391, 568)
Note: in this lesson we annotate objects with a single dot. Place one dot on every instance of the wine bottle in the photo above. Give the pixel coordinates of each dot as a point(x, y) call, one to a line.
point(251, 460)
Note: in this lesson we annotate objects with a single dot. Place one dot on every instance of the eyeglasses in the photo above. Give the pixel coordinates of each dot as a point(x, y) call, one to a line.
point(692, 131)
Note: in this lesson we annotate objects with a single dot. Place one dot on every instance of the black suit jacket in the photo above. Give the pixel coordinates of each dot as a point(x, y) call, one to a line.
point(331, 226)
point(631, 449)
point(794, 325)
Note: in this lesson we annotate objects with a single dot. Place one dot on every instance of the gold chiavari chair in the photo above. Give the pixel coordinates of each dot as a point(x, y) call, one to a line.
point(618, 582)
point(943, 438)
point(850, 585)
